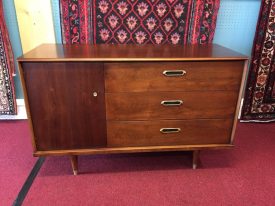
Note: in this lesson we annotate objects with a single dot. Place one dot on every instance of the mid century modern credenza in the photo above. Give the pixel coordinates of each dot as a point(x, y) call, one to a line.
point(95, 99)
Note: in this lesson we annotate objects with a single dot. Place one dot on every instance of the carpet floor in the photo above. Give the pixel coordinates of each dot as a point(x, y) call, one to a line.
point(16, 160)
point(242, 176)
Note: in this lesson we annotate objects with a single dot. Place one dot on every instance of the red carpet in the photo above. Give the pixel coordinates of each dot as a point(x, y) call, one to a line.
point(242, 176)
point(16, 160)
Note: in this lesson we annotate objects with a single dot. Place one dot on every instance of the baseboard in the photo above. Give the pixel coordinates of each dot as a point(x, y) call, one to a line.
point(21, 112)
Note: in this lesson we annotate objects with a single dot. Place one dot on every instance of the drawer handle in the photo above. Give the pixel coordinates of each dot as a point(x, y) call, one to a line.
point(174, 73)
point(169, 130)
point(168, 103)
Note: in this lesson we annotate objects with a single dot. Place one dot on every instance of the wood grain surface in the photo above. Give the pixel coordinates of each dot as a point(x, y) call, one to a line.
point(64, 112)
point(147, 133)
point(107, 52)
point(200, 76)
point(70, 90)
point(147, 105)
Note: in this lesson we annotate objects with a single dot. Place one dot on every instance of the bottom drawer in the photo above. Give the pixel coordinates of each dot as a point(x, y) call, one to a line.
point(172, 132)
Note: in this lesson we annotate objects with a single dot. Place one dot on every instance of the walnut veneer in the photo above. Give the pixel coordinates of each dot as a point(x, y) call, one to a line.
point(86, 99)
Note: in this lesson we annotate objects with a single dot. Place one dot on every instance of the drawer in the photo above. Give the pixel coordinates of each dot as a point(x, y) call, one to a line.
point(179, 76)
point(170, 105)
point(147, 133)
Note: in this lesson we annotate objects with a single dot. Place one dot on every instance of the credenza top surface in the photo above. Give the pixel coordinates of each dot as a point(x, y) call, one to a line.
point(149, 52)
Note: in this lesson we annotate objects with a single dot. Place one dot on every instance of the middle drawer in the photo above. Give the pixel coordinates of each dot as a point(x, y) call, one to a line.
point(170, 105)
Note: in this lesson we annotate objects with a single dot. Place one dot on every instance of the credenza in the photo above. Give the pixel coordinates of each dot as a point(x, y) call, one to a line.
point(99, 99)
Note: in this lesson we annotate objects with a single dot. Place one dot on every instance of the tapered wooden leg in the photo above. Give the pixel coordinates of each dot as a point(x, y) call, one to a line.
point(196, 154)
point(74, 162)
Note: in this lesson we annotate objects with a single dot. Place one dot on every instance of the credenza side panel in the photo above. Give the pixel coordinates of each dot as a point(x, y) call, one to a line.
point(65, 112)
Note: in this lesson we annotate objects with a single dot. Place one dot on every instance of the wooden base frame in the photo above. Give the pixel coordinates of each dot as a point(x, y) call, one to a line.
point(73, 154)
point(74, 161)
point(116, 150)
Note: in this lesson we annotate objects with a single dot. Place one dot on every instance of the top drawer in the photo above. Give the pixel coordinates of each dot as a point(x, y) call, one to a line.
point(180, 76)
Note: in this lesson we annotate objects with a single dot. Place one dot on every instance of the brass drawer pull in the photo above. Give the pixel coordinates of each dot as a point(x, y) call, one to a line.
point(169, 130)
point(174, 73)
point(168, 103)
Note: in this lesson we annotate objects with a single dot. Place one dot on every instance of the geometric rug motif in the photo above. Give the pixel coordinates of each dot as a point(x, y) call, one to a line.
point(7, 93)
point(138, 21)
point(259, 103)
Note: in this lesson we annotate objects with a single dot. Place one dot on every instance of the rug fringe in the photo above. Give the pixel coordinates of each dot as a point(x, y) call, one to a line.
point(257, 121)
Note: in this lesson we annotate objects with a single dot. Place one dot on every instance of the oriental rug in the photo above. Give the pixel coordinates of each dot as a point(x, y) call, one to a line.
point(259, 102)
point(7, 94)
point(138, 21)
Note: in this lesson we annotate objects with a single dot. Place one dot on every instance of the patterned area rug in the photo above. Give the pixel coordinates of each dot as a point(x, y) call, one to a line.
point(138, 21)
point(7, 95)
point(259, 101)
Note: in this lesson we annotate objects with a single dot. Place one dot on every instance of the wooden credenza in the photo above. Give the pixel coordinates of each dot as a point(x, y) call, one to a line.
point(88, 99)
